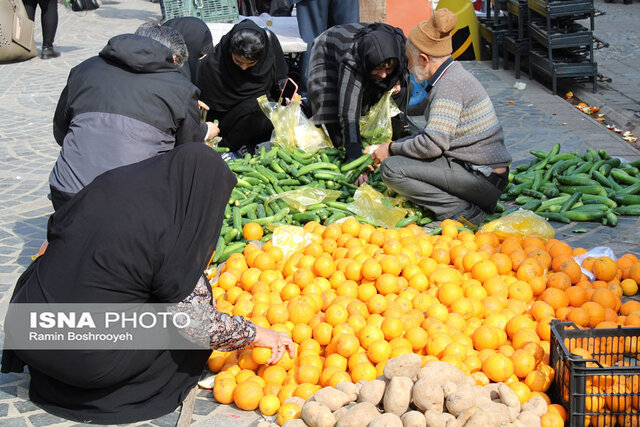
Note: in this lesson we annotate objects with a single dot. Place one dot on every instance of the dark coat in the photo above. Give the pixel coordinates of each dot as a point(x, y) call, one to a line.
point(125, 105)
point(340, 86)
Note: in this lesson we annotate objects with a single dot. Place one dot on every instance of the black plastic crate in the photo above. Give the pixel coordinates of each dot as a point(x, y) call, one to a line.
point(603, 389)
point(576, 9)
point(570, 35)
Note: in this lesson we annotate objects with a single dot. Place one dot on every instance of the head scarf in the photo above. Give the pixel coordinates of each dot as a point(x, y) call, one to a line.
point(376, 43)
point(139, 233)
point(224, 85)
point(197, 37)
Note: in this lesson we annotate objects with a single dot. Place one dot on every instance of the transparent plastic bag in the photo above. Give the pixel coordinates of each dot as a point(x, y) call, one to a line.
point(290, 238)
point(304, 197)
point(376, 208)
point(291, 128)
point(521, 223)
point(596, 252)
point(375, 126)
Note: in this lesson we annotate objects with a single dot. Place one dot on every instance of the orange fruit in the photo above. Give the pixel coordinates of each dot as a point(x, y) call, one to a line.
point(308, 374)
point(484, 270)
point(604, 297)
point(347, 344)
point(536, 380)
point(540, 310)
point(378, 350)
point(523, 363)
point(391, 328)
point(322, 333)
point(288, 411)
point(417, 336)
point(521, 390)
point(387, 284)
point(556, 298)
point(371, 269)
point(497, 367)
point(377, 304)
point(596, 312)
point(551, 419)
point(336, 314)
point(558, 409)
point(269, 404)
point(577, 295)
point(261, 355)
point(223, 390)
point(485, 337)
point(579, 316)
point(604, 268)
point(252, 231)
point(363, 371)
point(247, 395)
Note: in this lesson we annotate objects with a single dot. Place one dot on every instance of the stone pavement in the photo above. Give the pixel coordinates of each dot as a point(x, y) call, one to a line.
point(28, 95)
point(619, 99)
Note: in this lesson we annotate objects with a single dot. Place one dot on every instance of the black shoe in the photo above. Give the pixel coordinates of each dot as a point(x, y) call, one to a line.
point(48, 52)
point(472, 217)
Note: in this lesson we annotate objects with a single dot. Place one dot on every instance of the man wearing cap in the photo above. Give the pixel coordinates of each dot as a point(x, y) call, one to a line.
point(458, 165)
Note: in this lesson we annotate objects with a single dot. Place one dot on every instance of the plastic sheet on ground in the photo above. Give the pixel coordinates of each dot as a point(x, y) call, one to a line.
point(522, 223)
point(375, 126)
point(291, 128)
point(291, 238)
point(376, 208)
point(302, 198)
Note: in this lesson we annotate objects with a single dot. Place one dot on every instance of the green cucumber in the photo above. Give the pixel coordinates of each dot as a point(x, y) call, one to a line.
point(575, 198)
point(628, 210)
point(232, 249)
point(632, 189)
point(585, 189)
point(406, 221)
point(554, 216)
point(315, 166)
point(627, 199)
point(584, 215)
point(305, 217)
point(623, 177)
point(583, 167)
point(599, 199)
point(355, 163)
point(576, 180)
point(612, 219)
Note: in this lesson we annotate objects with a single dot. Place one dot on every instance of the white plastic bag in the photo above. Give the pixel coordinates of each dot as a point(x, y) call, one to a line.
point(596, 252)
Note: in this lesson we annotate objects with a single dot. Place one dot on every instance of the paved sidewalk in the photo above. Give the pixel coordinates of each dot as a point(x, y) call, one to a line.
point(28, 95)
point(619, 99)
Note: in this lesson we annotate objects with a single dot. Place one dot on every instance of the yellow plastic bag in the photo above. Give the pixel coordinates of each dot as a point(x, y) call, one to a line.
point(521, 223)
point(290, 238)
point(291, 128)
point(375, 207)
point(375, 126)
point(304, 197)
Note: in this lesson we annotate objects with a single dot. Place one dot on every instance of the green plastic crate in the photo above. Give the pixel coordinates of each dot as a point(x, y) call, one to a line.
point(207, 10)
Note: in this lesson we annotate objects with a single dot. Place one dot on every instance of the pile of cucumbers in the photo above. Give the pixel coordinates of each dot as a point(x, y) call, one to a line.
point(567, 187)
point(275, 171)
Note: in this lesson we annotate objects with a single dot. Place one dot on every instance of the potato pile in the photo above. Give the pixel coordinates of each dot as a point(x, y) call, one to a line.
point(436, 395)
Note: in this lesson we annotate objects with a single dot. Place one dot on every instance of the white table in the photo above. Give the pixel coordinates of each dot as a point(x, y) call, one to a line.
point(284, 27)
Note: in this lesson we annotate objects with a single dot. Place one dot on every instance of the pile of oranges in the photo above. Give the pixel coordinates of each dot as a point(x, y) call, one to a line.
point(357, 295)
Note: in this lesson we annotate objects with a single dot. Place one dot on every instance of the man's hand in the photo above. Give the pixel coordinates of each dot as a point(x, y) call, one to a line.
point(203, 105)
point(361, 179)
point(278, 342)
point(381, 153)
point(214, 130)
point(397, 88)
